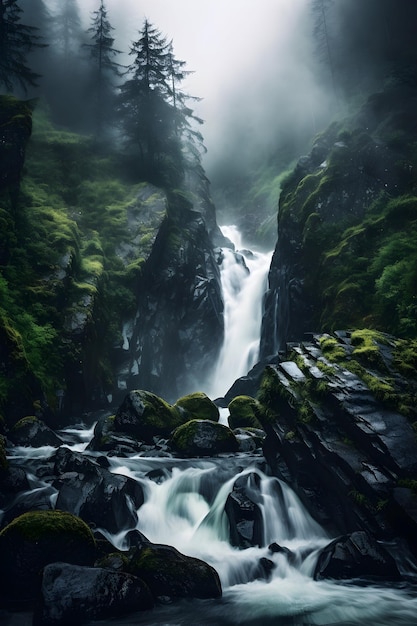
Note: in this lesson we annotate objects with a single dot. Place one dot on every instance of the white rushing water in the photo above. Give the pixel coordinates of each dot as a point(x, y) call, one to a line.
point(244, 281)
point(185, 507)
point(187, 510)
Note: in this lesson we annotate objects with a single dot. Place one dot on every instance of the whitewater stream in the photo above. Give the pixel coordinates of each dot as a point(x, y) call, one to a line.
point(184, 507)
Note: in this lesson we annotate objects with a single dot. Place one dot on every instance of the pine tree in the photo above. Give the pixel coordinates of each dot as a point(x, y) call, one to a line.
point(16, 42)
point(154, 114)
point(68, 31)
point(105, 67)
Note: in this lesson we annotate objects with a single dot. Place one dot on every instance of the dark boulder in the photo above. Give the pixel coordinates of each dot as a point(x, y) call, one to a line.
point(71, 594)
point(244, 513)
point(93, 493)
point(198, 405)
point(106, 439)
point(168, 573)
point(31, 431)
point(144, 415)
point(34, 540)
point(203, 438)
point(357, 555)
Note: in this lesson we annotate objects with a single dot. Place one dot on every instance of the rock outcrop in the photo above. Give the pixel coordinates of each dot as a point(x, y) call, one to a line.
point(339, 420)
point(345, 253)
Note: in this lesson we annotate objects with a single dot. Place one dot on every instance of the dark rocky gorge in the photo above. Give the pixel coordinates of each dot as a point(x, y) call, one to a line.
point(315, 478)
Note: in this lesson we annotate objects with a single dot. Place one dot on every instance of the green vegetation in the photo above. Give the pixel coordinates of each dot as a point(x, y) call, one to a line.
point(199, 406)
point(46, 525)
point(244, 412)
point(60, 259)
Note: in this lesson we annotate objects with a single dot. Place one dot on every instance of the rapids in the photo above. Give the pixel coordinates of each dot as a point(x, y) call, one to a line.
point(185, 507)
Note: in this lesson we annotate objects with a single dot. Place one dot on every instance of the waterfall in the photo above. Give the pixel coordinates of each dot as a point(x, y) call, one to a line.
point(244, 279)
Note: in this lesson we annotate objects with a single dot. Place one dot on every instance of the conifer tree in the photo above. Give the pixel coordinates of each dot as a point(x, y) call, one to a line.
point(16, 42)
point(104, 65)
point(153, 109)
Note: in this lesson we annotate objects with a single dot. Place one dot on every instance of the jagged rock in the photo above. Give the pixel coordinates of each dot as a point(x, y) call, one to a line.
point(356, 555)
point(168, 573)
point(336, 433)
point(244, 513)
point(105, 438)
point(93, 493)
point(203, 438)
point(178, 329)
point(32, 541)
point(31, 431)
point(144, 415)
point(71, 594)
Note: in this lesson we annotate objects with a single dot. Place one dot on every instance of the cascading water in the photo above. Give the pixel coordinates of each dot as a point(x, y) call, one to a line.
point(270, 582)
point(243, 275)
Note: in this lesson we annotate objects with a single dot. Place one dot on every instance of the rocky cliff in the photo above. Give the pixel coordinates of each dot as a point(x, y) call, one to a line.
point(347, 230)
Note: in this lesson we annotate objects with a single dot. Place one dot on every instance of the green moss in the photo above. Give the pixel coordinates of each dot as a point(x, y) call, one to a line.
point(199, 406)
point(332, 349)
point(25, 421)
point(405, 357)
point(367, 347)
point(244, 411)
point(40, 525)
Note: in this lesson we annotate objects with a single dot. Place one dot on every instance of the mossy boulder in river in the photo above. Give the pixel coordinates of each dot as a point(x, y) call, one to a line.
point(203, 438)
point(199, 406)
point(169, 573)
point(35, 539)
point(31, 431)
point(145, 415)
point(244, 412)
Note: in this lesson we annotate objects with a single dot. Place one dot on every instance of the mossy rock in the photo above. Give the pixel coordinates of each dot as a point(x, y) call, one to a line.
point(168, 573)
point(31, 431)
point(35, 539)
point(198, 406)
point(145, 415)
point(203, 438)
point(244, 412)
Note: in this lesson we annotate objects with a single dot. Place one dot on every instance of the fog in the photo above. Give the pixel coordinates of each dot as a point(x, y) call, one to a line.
point(252, 67)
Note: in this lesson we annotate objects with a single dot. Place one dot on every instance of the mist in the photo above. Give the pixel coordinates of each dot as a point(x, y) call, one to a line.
point(252, 68)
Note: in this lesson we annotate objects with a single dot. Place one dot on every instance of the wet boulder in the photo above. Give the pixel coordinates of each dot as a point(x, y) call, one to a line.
point(357, 555)
point(145, 415)
point(244, 513)
point(31, 431)
point(244, 412)
point(203, 438)
point(198, 406)
point(32, 541)
point(170, 574)
point(93, 493)
point(106, 439)
point(71, 594)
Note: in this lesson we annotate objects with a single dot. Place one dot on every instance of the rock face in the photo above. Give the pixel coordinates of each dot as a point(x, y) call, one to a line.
point(339, 421)
point(344, 206)
point(178, 328)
